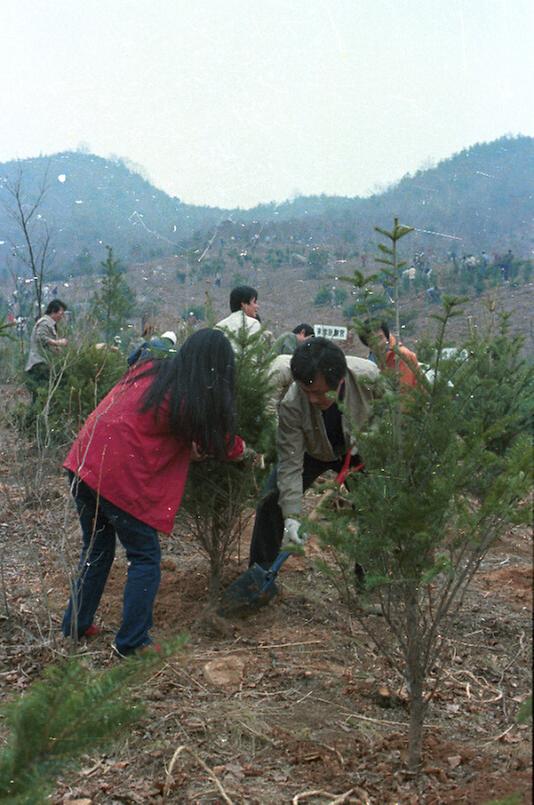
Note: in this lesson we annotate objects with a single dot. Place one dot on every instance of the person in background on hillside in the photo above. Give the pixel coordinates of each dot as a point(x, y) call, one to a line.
point(159, 417)
point(433, 294)
point(506, 265)
point(387, 354)
point(244, 311)
point(157, 346)
point(315, 434)
point(44, 343)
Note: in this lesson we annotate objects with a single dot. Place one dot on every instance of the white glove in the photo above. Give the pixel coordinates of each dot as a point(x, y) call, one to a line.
point(291, 532)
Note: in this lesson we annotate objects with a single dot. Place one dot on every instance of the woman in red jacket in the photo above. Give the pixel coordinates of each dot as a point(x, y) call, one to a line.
point(128, 468)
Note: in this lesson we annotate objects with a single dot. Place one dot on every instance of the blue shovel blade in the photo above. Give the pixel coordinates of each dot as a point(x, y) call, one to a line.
point(252, 589)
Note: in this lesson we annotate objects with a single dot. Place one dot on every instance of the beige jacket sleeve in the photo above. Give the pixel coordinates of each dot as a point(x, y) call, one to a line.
point(45, 332)
point(290, 446)
point(280, 378)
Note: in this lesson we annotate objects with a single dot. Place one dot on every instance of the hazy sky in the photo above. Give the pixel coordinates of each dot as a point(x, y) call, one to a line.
point(235, 102)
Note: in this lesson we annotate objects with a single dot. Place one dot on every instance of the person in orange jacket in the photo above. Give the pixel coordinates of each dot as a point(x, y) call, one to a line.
point(388, 355)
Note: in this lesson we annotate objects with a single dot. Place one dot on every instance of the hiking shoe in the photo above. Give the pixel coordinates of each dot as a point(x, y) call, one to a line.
point(92, 631)
point(136, 652)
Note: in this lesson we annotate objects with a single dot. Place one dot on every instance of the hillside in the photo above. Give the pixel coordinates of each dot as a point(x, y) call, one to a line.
point(90, 202)
point(478, 200)
point(287, 296)
point(481, 199)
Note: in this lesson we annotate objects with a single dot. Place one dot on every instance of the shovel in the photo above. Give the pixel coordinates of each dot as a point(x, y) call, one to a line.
point(253, 589)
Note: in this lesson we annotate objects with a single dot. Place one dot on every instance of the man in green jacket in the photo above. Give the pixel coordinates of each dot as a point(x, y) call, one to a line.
point(314, 435)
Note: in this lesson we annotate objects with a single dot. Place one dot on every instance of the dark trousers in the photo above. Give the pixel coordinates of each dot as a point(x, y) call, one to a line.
point(268, 529)
point(101, 522)
point(37, 377)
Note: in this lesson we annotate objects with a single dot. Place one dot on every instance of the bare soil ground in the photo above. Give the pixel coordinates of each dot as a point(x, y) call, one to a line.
point(280, 707)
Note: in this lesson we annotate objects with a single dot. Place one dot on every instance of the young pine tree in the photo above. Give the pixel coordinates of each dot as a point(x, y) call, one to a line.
point(219, 495)
point(435, 495)
point(115, 300)
point(79, 378)
point(70, 712)
point(500, 381)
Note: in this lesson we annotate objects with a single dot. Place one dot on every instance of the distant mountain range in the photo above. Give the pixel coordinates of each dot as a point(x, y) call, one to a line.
point(481, 199)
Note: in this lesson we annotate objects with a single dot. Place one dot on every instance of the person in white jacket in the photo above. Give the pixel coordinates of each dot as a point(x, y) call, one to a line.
point(244, 307)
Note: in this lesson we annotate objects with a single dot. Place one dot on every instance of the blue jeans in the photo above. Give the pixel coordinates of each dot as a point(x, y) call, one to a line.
point(101, 522)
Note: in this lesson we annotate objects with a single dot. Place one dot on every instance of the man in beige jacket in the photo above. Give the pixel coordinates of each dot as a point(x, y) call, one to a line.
point(44, 342)
point(315, 434)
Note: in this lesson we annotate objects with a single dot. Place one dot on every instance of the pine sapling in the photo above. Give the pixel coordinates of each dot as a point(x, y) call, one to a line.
point(219, 495)
point(438, 490)
point(72, 711)
point(115, 300)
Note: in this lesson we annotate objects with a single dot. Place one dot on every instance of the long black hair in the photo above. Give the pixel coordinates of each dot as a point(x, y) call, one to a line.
point(199, 385)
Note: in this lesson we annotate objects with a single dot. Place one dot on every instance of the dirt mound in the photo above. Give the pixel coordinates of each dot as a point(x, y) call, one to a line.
point(513, 584)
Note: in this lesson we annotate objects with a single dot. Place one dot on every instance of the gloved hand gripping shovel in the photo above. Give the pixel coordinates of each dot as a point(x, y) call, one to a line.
point(252, 589)
point(255, 587)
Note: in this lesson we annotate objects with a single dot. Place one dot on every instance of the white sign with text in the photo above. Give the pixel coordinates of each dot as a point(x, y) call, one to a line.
point(332, 331)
